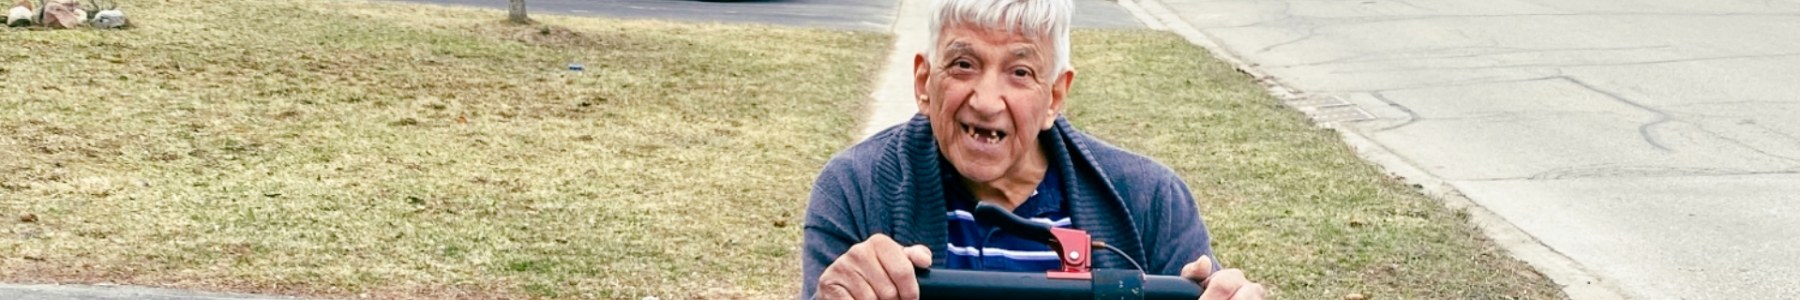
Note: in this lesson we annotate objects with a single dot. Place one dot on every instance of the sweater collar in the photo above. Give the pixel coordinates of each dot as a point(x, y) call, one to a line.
point(917, 203)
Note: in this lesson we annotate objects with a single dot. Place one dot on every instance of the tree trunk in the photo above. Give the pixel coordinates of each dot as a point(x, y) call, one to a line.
point(517, 13)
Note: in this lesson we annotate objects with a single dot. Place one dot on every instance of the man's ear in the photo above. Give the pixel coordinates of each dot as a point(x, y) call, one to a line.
point(921, 78)
point(1058, 91)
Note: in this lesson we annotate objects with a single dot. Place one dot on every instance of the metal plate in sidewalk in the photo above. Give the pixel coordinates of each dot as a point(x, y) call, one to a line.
point(1330, 109)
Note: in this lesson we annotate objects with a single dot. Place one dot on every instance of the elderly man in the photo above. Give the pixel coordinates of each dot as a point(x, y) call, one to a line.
point(990, 91)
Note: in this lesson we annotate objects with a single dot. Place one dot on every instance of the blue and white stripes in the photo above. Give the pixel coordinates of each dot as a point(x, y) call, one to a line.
point(1002, 252)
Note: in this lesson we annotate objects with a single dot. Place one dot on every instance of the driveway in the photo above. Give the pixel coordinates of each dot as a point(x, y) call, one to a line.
point(1656, 143)
point(866, 15)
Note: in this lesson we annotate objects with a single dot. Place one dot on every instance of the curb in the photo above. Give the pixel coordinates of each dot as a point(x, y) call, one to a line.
point(1576, 281)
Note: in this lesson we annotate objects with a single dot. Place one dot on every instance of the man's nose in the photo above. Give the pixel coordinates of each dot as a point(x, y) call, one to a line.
point(989, 98)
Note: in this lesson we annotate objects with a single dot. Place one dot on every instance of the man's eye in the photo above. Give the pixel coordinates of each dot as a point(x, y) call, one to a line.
point(963, 64)
point(1021, 72)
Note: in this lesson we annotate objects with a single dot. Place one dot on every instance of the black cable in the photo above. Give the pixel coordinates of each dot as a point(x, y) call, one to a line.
point(1121, 253)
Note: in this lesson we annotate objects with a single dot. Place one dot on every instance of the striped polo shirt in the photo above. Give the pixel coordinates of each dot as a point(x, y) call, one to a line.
point(1002, 251)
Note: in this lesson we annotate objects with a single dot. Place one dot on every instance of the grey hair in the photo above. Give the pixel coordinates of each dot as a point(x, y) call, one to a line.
point(1031, 17)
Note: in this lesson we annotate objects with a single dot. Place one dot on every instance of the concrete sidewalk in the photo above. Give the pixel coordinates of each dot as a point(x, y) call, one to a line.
point(1628, 149)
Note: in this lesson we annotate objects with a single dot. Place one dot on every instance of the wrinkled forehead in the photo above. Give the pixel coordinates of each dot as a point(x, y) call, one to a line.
point(968, 36)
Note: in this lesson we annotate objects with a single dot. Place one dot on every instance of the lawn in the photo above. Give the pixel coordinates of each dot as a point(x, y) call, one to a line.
point(1286, 201)
point(341, 148)
point(347, 148)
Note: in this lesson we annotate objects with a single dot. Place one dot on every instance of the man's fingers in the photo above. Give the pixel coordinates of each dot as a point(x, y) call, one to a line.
point(1223, 285)
point(1227, 284)
point(920, 256)
point(833, 292)
point(863, 265)
point(887, 268)
point(834, 283)
point(860, 289)
point(899, 270)
point(877, 268)
point(1198, 270)
point(1253, 291)
point(1228, 279)
point(842, 281)
point(880, 239)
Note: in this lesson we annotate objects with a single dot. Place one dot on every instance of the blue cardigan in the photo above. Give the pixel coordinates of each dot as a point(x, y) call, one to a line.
point(891, 184)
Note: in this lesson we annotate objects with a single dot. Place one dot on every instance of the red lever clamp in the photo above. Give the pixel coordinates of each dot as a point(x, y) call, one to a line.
point(1073, 247)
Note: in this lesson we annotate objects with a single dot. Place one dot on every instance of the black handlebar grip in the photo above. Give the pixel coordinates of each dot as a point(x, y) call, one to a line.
point(993, 215)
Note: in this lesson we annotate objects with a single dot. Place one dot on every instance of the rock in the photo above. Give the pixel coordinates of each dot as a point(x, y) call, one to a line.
point(109, 19)
point(63, 14)
point(28, 218)
point(19, 16)
point(1355, 296)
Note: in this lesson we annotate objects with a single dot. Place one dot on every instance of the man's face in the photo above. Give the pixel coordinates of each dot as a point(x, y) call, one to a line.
point(988, 93)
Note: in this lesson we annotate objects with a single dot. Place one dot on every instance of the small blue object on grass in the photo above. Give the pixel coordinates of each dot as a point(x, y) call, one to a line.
point(577, 67)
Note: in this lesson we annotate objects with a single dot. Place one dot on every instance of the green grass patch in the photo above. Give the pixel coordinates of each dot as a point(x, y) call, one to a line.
point(340, 148)
point(1286, 201)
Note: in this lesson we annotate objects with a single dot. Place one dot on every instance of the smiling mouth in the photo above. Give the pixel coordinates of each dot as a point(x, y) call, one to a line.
point(984, 135)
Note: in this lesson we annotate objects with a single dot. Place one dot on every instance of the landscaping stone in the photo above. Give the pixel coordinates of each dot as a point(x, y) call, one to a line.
point(19, 15)
point(64, 14)
point(109, 19)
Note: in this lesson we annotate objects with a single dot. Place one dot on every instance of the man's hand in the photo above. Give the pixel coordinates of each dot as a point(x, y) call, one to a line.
point(876, 268)
point(1227, 284)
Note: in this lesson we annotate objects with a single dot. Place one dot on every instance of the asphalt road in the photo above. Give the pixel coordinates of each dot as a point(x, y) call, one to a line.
point(1654, 142)
point(867, 15)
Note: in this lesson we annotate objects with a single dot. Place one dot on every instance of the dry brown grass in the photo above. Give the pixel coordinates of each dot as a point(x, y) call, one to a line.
point(340, 148)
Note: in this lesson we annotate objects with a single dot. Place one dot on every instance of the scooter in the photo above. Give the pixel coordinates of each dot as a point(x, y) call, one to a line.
point(1075, 280)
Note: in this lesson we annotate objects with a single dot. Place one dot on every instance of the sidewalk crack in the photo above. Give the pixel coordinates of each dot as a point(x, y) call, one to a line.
point(1645, 130)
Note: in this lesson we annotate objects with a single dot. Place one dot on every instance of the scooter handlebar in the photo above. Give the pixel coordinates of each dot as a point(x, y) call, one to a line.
point(1075, 280)
point(1105, 284)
